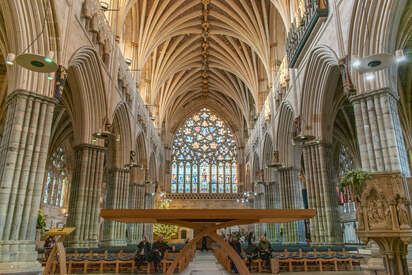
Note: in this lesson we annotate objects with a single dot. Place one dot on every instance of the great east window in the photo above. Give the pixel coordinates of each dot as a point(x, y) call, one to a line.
point(204, 156)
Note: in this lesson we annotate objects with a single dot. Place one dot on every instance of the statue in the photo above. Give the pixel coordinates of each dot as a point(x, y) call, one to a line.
point(403, 216)
point(359, 217)
point(297, 122)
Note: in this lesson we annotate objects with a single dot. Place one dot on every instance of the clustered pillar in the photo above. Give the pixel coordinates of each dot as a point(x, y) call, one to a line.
point(382, 149)
point(114, 233)
point(325, 227)
point(259, 203)
point(291, 196)
point(85, 195)
point(379, 130)
point(23, 152)
point(273, 201)
point(148, 204)
point(136, 201)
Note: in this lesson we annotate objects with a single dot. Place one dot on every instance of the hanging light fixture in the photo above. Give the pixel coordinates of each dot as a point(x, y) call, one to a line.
point(104, 133)
point(275, 163)
point(10, 59)
point(37, 63)
point(133, 163)
point(400, 56)
point(104, 6)
point(303, 138)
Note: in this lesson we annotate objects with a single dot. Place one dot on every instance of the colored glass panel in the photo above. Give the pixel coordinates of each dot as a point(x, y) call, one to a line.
point(203, 139)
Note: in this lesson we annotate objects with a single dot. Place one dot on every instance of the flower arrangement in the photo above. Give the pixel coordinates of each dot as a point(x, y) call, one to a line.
point(355, 180)
point(41, 221)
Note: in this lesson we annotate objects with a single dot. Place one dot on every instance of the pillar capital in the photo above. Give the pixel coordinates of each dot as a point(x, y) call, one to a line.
point(373, 93)
point(34, 96)
point(84, 146)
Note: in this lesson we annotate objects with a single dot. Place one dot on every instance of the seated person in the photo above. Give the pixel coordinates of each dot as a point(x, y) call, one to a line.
point(238, 248)
point(252, 253)
point(144, 252)
point(158, 251)
point(264, 250)
point(48, 246)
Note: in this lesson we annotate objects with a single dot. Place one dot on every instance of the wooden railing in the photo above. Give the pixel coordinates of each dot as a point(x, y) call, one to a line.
point(299, 34)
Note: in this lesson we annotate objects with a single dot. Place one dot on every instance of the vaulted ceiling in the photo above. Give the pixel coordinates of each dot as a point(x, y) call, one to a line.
point(191, 53)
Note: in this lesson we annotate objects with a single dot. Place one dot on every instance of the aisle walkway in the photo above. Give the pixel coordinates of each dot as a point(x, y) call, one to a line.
point(204, 263)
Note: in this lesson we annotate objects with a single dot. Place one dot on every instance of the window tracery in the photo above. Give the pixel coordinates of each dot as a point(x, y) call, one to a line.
point(57, 180)
point(204, 156)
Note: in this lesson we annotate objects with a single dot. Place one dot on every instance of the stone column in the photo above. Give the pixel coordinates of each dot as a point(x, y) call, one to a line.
point(23, 155)
point(324, 227)
point(117, 196)
point(382, 149)
point(136, 201)
point(291, 194)
point(259, 203)
point(149, 204)
point(379, 130)
point(85, 194)
point(273, 202)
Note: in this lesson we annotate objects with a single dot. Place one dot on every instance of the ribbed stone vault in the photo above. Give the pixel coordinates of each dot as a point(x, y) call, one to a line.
point(246, 44)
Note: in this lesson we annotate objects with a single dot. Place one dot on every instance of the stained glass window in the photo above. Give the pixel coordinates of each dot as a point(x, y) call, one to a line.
point(214, 178)
point(227, 176)
point(221, 178)
point(204, 156)
point(174, 177)
point(181, 177)
point(57, 180)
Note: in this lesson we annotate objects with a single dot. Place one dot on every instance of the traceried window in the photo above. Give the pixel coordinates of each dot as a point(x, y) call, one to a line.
point(345, 164)
point(345, 161)
point(204, 156)
point(57, 181)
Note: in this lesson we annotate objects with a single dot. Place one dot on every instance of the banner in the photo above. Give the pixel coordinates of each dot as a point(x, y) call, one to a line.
point(61, 76)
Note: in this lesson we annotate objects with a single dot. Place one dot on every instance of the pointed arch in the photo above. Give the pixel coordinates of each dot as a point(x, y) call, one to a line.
point(123, 130)
point(322, 72)
point(374, 28)
point(284, 133)
point(85, 94)
point(141, 149)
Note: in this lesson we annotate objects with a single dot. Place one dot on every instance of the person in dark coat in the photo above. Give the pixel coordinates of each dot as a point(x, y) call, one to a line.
point(48, 246)
point(252, 253)
point(158, 251)
point(238, 248)
point(204, 243)
point(250, 237)
point(143, 253)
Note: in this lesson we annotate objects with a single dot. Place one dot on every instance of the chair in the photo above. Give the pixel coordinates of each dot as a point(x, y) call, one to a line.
point(256, 265)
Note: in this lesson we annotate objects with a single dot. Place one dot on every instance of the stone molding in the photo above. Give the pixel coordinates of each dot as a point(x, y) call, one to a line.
point(89, 146)
point(373, 93)
point(36, 96)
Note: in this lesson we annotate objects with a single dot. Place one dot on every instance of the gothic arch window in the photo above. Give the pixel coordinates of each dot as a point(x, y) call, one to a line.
point(204, 156)
point(345, 163)
point(57, 180)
